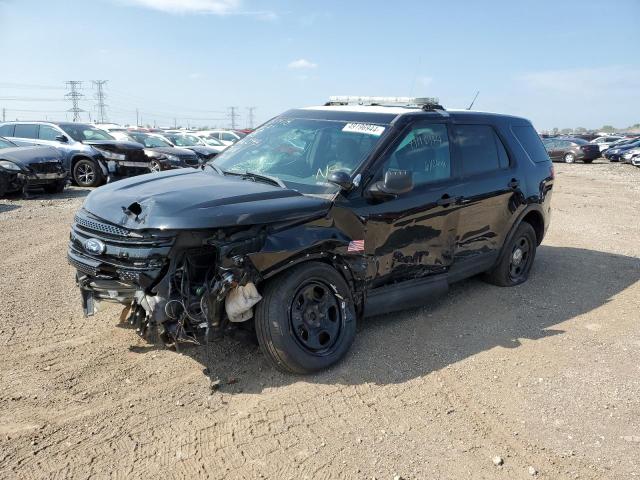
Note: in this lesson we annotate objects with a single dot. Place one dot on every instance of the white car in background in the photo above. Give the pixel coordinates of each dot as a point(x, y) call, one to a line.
point(605, 142)
point(227, 137)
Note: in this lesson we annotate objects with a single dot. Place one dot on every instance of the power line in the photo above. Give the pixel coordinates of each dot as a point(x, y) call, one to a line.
point(74, 95)
point(100, 96)
point(233, 117)
point(250, 116)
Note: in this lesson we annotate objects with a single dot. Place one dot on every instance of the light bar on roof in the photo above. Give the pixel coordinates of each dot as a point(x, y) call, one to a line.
point(404, 101)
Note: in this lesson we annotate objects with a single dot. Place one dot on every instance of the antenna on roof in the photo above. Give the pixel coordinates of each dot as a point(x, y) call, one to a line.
point(474, 100)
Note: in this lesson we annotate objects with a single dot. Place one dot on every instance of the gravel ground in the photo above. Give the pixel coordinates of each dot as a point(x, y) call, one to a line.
point(544, 376)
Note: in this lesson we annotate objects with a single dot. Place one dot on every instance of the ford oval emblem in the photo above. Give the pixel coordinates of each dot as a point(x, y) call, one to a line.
point(95, 246)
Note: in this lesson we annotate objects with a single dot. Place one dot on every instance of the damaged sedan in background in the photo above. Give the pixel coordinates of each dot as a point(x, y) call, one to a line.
point(321, 217)
point(26, 168)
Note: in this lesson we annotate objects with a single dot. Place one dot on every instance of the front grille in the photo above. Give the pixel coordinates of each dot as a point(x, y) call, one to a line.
point(131, 257)
point(82, 267)
point(101, 227)
point(45, 167)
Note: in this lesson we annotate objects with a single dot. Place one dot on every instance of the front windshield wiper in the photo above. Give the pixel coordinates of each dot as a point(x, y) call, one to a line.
point(247, 174)
point(258, 176)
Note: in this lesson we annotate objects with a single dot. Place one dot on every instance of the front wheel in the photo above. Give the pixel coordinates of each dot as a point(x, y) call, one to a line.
point(306, 320)
point(154, 166)
point(515, 264)
point(87, 173)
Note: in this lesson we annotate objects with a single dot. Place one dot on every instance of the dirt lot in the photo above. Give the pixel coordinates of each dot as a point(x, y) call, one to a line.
point(545, 375)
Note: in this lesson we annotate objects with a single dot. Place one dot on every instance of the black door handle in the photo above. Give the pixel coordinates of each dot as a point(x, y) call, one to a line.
point(513, 184)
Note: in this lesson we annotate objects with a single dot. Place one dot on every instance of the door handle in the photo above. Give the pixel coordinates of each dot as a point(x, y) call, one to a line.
point(513, 184)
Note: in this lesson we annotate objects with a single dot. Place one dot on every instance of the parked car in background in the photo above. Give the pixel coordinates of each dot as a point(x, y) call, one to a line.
point(631, 155)
point(227, 137)
point(89, 154)
point(615, 153)
point(570, 149)
point(110, 127)
point(196, 144)
point(605, 142)
point(25, 168)
point(162, 154)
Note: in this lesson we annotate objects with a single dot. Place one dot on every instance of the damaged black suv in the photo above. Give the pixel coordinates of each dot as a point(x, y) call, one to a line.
point(319, 218)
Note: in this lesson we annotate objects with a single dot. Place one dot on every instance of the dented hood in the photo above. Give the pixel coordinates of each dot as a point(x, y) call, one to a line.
point(198, 199)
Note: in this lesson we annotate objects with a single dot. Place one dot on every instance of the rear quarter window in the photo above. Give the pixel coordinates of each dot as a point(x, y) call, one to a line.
point(531, 143)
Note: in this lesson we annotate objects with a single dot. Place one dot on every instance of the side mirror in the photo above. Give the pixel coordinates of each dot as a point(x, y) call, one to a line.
point(62, 138)
point(341, 178)
point(396, 182)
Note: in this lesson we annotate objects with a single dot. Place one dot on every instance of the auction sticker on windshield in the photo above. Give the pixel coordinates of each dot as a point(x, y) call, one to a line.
point(365, 128)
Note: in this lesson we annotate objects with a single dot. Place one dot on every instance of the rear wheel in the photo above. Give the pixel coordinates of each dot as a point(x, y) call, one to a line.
point(306, 320)
point(569, 158)
point(514, 266)
point(56, 187)
point(87, 173)
point(588, 161)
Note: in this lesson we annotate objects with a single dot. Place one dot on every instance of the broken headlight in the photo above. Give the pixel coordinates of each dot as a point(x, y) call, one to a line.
point(109, 155)
point(7, 165)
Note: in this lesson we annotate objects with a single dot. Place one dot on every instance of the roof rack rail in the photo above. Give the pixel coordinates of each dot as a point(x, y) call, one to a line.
point(426, 103)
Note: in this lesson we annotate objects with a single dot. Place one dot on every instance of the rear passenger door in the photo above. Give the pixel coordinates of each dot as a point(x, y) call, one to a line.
point(488, 183)
point(25, 134)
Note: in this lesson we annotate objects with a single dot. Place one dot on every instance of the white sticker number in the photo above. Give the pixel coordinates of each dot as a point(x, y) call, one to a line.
point(366, 128)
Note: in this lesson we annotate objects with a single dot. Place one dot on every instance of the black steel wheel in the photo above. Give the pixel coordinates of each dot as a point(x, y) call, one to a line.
point(315, 317)
point(306, 319)
point(515, 263)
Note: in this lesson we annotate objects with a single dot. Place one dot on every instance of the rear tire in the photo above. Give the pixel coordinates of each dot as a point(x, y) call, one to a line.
point(306, 320)
point(56, 187)
point(588, 161)
point(569, 158)
point(87, 173)
point(515, 264)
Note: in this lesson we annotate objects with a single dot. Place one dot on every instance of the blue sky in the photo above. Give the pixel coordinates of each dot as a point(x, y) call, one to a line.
point(559, 63)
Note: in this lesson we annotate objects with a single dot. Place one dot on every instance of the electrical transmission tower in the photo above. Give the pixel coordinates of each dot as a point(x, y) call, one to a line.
point(250, 116)
point(233, 117)
point(74, 95)
point(100, 96)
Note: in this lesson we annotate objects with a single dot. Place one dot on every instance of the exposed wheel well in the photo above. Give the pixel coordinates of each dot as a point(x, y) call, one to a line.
point(535, 219)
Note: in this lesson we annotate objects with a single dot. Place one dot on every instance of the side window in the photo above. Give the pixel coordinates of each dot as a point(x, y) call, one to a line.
point(26, 130)
point(48, 133)
point(7, 130)
point(479, 148)
point(424, 152)
point(228, 137)
point(531, 143)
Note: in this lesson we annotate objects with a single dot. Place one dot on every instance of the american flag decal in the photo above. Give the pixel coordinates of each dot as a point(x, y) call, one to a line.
point(356, 246)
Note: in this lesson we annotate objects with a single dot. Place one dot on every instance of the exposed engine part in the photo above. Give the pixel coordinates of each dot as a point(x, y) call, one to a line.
point(240, 301)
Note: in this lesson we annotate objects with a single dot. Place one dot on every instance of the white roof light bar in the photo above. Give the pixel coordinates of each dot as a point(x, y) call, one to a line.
point(403, 101)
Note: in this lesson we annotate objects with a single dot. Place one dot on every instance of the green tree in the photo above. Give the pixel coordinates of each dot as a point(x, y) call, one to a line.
point(608, 128)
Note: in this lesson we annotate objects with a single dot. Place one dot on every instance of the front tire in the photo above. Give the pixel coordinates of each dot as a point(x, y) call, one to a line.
point(306, 320)
point(154, 166)
point(515, 264)
point(87, 173)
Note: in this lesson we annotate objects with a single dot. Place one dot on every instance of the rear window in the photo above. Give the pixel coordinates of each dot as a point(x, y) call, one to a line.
point(25, 130)
point(531, 142)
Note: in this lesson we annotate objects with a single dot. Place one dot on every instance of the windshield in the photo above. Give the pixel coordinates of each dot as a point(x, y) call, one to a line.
point(149, 141)
point(6, 143)
point(80, 132)
point(185, 140)
point(302, 152)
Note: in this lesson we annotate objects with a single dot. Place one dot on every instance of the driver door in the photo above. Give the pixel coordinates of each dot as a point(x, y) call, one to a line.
point(413, 234)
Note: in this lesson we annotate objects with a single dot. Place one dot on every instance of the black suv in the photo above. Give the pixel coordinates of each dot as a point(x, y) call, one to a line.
point(319, 218)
